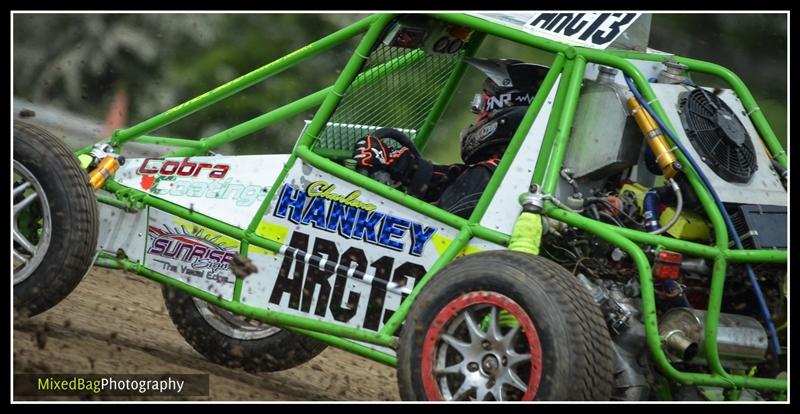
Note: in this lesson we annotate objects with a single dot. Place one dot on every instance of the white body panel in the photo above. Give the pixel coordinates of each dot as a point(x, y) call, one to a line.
point(505, 207)
point(120, 230)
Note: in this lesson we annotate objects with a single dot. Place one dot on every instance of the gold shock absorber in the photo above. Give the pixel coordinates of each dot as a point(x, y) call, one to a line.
point(106, 168)
point(655, 138)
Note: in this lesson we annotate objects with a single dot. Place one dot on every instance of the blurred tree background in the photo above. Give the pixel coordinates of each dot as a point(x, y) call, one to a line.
point(80, 61)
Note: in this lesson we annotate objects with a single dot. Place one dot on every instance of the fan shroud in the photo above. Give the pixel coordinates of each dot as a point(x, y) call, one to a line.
point(718, 136)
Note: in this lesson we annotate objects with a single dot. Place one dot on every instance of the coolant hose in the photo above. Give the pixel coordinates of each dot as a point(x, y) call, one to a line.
point(650, 208)
point(650, 211)
point(762, 303)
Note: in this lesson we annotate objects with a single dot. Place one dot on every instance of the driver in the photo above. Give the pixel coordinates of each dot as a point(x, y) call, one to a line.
point(508, 90)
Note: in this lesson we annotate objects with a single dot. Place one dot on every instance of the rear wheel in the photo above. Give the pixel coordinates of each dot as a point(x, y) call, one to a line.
point(235, 341)
point(54, 224)
point(505, 326)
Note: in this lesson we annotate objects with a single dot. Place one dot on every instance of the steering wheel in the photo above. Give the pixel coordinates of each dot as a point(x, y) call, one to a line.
point(398, 137)
point(390, 134)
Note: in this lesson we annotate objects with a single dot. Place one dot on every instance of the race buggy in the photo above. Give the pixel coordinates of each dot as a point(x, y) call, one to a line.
point(630, 245)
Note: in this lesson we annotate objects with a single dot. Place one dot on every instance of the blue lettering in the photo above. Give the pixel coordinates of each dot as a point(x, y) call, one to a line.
point(315, 213)
point(338, 218)
point(286, 201)
point(350, 222)
point(392, 226)
point(419, 238)
point(365, 226)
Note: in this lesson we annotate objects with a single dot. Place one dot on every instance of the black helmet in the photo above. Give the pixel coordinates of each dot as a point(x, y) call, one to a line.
point(509, 88)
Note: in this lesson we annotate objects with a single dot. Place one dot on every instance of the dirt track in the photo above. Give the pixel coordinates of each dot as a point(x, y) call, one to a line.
point(116, 323)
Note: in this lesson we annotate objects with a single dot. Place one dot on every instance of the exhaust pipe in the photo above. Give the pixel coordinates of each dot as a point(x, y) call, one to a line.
point(682, 332)
point(680, 346)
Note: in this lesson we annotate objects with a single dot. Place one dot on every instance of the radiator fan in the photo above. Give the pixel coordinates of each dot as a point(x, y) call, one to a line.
point(718, 136)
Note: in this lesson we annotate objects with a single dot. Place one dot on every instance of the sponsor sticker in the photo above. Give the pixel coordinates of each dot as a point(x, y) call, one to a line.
point(227, 188)
point(195, 256)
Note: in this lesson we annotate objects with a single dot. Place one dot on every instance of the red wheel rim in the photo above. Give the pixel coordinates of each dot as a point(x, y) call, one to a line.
point(452, 311)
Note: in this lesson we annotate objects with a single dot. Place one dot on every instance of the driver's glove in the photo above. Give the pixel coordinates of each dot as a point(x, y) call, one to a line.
point(373, 155)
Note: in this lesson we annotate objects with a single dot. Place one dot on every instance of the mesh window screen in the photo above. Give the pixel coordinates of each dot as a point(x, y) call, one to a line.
point(396, 89)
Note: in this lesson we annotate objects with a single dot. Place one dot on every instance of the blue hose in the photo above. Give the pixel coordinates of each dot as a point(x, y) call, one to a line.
point(776, 346)
point(650, 209)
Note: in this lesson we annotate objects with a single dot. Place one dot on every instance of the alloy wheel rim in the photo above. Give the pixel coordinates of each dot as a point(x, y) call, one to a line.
point(28, 194)
point(463, 358)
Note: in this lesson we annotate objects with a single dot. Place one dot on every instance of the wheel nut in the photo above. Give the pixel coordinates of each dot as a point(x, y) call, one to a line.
point(472, 366)
point(505, 361)
point(490, 364)
point(486, 345)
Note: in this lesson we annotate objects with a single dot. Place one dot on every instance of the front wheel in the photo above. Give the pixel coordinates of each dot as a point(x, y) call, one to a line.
point(54, 225)
point(505, 326)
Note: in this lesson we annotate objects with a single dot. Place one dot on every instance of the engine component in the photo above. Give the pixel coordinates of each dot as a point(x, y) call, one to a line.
point(650, 211)
point(617, 205)
point(739, 338)
point(630, 374)
point(553, 226)
point(575, 202)
point(616, 315)
point(679, 345)
point(655, 139)
point(636, 192)
point(618, 254)
point(738, 291)
point(761, 227)
point(718, 136)
point(676, 191)
point(697, 265)
point(604, 140)
point(670, 294)
point(764, 185)
point(566, 173)
point(689, 226)
point(673, 72)
point(667, 265)
point(650, 208)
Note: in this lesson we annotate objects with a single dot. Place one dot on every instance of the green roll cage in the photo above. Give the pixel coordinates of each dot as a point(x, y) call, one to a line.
point(569, 62)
